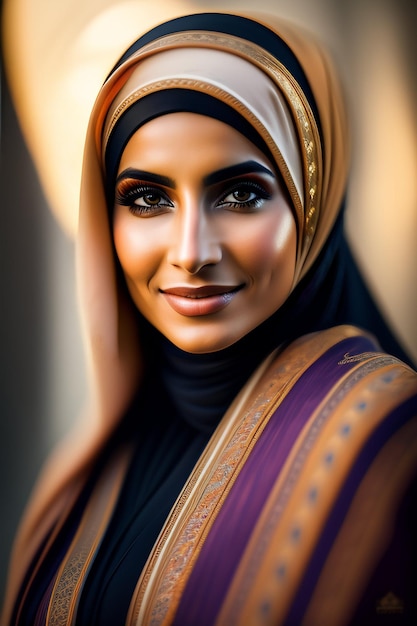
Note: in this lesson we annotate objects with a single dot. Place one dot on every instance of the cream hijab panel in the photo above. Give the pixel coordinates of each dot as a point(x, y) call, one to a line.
point(222, 71)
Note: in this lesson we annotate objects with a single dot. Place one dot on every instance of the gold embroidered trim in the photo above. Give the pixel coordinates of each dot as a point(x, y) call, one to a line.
point(151, 579)
point(159, 589)
point(305, 124)
point(291, 520)
point(356, 358)
point(75, 566)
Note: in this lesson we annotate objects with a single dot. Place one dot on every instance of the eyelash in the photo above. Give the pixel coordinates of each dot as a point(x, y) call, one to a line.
point(128, 192)
point(261, 194)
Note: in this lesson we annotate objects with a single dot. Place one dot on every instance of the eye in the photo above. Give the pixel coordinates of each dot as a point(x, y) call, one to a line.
point(242, 195)
point(150, 199)
point(142, 200)
point(245, 195)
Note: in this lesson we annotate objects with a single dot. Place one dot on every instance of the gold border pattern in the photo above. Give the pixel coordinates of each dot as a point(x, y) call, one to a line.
point(165, 575)
point(309, 140)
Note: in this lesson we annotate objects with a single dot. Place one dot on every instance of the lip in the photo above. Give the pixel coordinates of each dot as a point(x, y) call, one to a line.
point(198, 301)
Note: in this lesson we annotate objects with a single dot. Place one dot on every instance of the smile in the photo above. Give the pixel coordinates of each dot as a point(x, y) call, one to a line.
point(198, 301)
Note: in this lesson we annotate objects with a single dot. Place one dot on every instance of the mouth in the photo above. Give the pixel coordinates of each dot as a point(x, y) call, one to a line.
point(198, 301)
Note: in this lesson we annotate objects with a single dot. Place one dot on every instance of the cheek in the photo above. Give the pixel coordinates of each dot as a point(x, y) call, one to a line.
point(135, 247)
point(270, 249)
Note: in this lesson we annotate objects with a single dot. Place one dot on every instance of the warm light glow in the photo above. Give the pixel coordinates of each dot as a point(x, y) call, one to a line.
point(382, 214)
point(55, 66)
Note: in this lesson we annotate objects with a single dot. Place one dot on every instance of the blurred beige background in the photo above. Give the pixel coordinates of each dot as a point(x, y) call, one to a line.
point(55, 56)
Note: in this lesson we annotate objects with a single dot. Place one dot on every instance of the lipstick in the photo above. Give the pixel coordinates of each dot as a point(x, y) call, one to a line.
point(199, 301)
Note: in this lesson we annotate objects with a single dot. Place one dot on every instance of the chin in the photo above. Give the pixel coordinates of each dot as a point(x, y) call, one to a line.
point(203, 342)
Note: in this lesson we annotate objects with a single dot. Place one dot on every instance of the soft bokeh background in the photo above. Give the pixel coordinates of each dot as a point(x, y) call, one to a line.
point(56, 54)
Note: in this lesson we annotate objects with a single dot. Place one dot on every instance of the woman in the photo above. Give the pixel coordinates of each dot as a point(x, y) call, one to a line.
point(250, 450)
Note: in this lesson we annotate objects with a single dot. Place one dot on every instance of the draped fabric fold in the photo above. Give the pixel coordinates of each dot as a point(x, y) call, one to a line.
point(273, 487)
point(265, 492)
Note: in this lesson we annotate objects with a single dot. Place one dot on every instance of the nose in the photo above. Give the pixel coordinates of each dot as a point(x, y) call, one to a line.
point(195, 243)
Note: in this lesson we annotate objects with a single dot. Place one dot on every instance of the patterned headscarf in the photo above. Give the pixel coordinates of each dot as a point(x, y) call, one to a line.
point(265, 77)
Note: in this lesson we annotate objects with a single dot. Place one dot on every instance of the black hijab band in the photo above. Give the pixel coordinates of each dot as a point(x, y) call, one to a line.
point(161, 103)
point(238, 26)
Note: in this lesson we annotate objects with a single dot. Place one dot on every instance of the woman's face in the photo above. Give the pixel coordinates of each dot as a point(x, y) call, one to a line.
point(204, 234)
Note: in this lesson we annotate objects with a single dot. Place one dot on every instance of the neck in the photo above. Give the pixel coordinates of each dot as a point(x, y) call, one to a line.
point(202, 386)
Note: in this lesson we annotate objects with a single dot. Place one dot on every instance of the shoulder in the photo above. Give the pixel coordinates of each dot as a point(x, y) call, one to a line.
point(342, 373)
point(353, 361)
point(343, 348)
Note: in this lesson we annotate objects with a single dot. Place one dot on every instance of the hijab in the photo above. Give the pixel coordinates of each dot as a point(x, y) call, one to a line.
point(271, 81)
point(236, 68)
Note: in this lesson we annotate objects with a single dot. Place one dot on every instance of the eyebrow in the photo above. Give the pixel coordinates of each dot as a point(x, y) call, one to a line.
point(158, 179)
point(240, 169)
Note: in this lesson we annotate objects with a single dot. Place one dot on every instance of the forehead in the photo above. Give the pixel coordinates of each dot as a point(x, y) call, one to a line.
point(178, 138)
